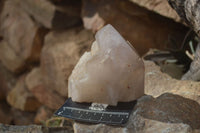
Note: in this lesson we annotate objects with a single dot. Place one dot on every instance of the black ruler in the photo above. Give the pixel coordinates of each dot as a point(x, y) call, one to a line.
point(112, 115)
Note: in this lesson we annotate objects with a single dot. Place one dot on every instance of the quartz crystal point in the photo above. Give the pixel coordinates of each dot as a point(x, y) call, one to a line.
point(112, 72)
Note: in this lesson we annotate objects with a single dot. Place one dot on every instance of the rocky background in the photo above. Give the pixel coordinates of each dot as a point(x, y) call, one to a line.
point(42, 40)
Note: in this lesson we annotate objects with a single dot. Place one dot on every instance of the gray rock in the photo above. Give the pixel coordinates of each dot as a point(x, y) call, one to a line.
point(159, 6)
point(157, 83)
point(32, 129)
point(50, 15)
point(21, 129)
point(137, 124)
point(169, 108)
point(168, 113)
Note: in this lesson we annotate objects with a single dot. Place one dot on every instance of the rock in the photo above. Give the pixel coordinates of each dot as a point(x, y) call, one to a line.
point(159, 6)
point(46, 96)
point(188, 10)
point(60, 54)
point(9, 58)
point(139, 125)
point(42, 115)
point(34, 78)
point(94, 23)
point(18, 47)
point(167, 113)
point(19, 97)
point(32, 129)
point(22, 117)
point(5, 113)
point(194, 72)
point(52, 16)
point(157, 83)
point(21, 129)
point(143, 28)
point(110, 73)
point(170, 108)
point(7, 82)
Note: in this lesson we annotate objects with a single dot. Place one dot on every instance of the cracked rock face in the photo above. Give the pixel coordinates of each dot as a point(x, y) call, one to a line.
point(112, 71)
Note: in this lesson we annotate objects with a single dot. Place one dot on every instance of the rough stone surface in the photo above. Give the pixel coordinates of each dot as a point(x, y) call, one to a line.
point(51, 15)
point(170, 108)
point(141, 27)
point(18, 47)
point(33, 78)
point(9, 58)
point(46, 96)
point(7, 81)
point(188, 10)
point(152, 115)
point(20, 97)
point(141, 125)
point(110, 73)
point(159, 6)
point(21, 129)
point(60, 54)
point(157, 83)
point(32, 129)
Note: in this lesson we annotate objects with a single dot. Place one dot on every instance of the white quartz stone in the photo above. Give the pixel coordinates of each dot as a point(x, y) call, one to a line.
point(110, 73)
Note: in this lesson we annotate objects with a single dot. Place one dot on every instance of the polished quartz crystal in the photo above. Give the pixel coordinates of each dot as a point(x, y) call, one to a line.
point(111, 72)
